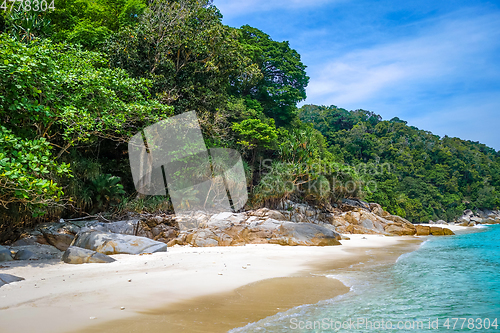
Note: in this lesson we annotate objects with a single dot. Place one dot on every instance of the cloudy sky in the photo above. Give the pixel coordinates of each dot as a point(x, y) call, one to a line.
point(433, 63)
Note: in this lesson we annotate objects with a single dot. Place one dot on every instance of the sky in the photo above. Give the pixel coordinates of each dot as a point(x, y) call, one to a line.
point(435, 64)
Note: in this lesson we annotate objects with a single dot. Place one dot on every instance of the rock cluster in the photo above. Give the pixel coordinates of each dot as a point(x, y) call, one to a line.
point(262, 226)
point(469, 218)
point(291, 224)
point(78, 242)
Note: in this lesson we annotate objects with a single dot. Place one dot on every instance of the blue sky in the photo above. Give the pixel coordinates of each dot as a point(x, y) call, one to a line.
point(435, 64)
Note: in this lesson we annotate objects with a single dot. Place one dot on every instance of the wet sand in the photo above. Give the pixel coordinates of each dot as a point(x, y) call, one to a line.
point(221, 312)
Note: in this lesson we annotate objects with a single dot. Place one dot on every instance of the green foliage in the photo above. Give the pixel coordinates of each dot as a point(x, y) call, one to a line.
point(26, 168)
point(62, 96)
point(88, 34)
point(105, 190)
point(255, 133)
point(49, 87)
point(90, 22)
point(26, 26)
point(303, 144)
point(283, 80)
point(276, 185)
point(147, 204)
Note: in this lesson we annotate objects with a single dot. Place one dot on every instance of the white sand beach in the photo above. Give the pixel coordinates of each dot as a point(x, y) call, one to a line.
point(58, 297)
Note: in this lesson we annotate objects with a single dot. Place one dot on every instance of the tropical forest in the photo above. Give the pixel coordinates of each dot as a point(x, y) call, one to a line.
point(80, 78)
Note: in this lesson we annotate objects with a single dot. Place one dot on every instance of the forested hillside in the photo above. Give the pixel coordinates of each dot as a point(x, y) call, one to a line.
point(412, 172)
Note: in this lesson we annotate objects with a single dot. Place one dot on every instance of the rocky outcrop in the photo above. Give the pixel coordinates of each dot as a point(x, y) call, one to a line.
point(8, 278)
point(78, 255)
point(362, 221)
point(228, 229)
point(469, 218)
point(112, 243)
point(291, 224)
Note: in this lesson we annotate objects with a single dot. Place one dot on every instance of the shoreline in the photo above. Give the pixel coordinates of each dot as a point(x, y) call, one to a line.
point(221, 312)
point(58, 297)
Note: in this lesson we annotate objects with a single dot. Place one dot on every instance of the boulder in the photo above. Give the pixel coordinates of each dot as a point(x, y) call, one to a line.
point(466, 217)
point(111, 243)
point(191, 221)
point(441, 222)
point(350, 204)
point(226, 220)
point(164, 233)
point(436, 231)
point(57, 234)
point(423, 230)
point(36, 252)
point(24, 255)
point(400, 229)
point(448, 232)
point(399, 226)
point(299, 217)
point(59, 240)
point(305, 234)
point(274, 214)
point(78, 255)
point(7, 278)
point(326, 218)
point(5, 254)
point(356, 229)
point(476, 219)
point(31, 237)
point(376, 209)
point(129, 227)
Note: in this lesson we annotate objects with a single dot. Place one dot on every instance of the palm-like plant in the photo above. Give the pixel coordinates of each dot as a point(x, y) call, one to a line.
point(106, 189)
point(26, 26)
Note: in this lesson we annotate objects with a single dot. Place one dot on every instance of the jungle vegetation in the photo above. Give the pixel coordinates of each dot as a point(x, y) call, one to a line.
point(79, 79)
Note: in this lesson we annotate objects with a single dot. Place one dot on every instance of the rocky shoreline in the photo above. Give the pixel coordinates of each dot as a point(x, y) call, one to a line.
point(292, 224)
point(80, 241)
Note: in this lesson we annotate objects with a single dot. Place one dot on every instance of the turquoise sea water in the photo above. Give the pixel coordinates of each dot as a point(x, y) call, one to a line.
point(450, 284)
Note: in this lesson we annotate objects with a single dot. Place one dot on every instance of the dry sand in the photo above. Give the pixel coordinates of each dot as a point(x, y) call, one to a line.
point(186, 289)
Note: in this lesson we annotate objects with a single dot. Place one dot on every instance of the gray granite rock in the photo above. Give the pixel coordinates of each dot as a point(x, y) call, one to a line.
point(5, 254)
point(111, 243)
point(78, 255)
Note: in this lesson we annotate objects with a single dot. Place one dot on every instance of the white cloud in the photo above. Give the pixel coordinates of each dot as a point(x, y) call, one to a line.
point(450, 51)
